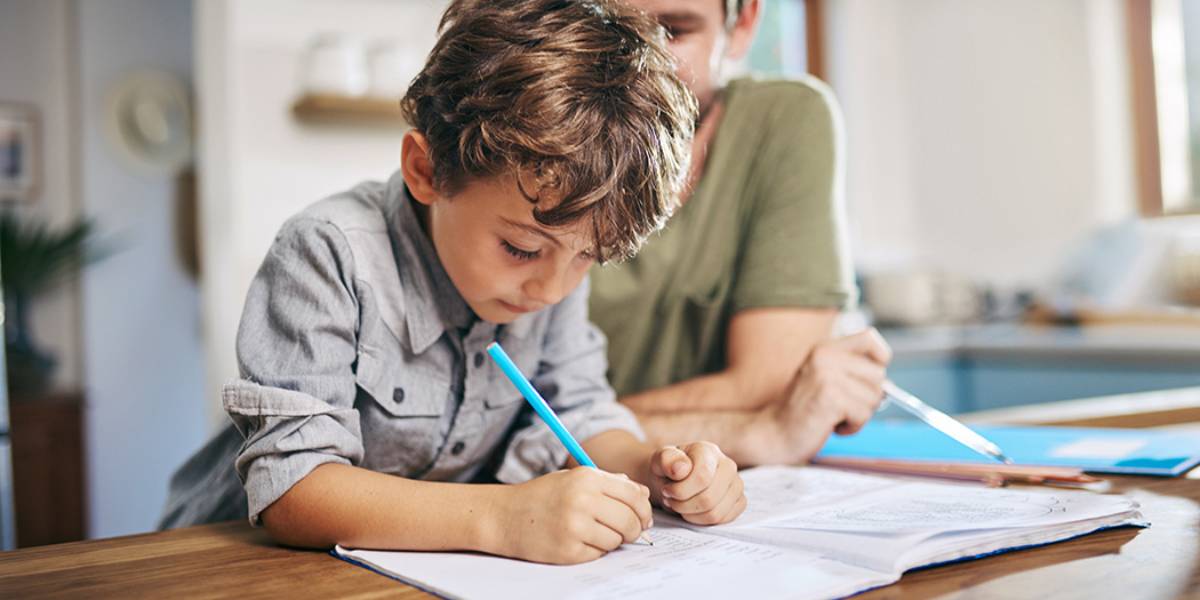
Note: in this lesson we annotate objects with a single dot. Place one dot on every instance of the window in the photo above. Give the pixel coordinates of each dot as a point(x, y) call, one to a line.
point(1164, 38)
point(789, 39)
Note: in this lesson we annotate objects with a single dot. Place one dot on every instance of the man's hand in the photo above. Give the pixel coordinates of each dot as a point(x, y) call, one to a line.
point(837, 389)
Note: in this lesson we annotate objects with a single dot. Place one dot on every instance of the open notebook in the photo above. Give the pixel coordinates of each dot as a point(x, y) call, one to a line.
point(808, 533)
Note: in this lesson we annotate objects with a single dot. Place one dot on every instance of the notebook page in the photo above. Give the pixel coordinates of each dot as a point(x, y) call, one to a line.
point(813, 498)
point(681, 563)
point(965, 544)
point(885, 522)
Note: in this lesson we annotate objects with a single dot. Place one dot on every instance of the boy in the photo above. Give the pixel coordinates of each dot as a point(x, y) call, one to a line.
point(548, 135)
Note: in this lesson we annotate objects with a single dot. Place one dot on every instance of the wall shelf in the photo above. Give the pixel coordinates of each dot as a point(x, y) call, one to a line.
point(334, 109)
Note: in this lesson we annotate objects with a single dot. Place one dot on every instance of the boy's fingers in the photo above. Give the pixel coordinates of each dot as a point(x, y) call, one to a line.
point(715, 487)
point(672, 463)
point(621, 518)
point(603, 537)
point(739, 507)
point(725, 505)
point(635, 496)
point(704, 458)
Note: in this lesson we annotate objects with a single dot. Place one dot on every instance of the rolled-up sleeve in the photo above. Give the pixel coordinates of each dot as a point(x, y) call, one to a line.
point(572, 378)
point(296, 351)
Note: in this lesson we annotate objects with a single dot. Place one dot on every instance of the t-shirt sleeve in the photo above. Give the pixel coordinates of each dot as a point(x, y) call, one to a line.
point(796, 251)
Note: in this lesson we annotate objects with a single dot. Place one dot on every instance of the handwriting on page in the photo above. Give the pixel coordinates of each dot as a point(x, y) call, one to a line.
point(778, 492)
point(680, 564)
point(910, 512)
point(817, 498)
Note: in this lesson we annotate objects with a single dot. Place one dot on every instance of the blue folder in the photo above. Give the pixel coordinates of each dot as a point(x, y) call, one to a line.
point(1127, 451)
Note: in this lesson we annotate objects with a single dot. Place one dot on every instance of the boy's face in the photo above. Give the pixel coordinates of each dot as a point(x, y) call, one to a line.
point(501, 260)
point(699, 39)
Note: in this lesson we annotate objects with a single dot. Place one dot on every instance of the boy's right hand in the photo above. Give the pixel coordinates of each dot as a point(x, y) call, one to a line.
point(572, 516)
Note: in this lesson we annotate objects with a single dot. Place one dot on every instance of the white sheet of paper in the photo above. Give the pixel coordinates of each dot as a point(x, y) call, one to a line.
point(808, 533)
point(680, 564)
point(885, 523)
point(889, 505)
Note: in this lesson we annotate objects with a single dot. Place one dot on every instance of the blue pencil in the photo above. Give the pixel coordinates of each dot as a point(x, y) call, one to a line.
point(542, 409)
point(539, 404)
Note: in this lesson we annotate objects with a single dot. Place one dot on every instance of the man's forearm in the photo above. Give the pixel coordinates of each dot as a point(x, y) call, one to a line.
point(765, 347)
point(730, 429)
point(725, 391)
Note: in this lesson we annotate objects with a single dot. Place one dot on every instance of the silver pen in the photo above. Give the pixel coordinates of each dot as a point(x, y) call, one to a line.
point(943, 422)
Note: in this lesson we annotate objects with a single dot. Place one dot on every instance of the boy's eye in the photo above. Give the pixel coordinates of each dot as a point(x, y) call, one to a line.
point(519, 253)
point(674, 33)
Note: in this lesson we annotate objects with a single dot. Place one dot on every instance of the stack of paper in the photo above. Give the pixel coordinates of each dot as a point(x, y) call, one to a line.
point(808, 533)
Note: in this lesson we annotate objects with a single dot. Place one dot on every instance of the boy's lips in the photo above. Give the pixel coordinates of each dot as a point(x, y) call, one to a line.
point(517, 308)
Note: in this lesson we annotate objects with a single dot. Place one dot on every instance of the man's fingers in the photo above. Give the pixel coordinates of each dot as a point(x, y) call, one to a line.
point(866, 371)
point(868, 343)
point(859, 412)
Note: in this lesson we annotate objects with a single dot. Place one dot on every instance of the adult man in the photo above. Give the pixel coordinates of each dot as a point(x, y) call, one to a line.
point(721, 328)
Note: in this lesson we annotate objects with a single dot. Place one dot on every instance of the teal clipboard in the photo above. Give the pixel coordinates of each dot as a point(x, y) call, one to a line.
point(1122, 451)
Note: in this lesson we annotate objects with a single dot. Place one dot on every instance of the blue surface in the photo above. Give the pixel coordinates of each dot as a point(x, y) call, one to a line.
point(1164, 453)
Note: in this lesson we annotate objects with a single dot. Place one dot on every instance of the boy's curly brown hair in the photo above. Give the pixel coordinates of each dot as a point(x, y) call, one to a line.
point(579, 96)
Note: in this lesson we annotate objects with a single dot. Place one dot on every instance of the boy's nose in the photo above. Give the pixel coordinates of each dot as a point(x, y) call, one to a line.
point(547, 289)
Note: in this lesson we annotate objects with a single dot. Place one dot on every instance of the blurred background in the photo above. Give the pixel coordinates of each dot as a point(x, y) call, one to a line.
point(1020, 175)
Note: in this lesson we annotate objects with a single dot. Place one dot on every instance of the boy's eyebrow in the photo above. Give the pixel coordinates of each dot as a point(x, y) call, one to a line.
point(678, 18)
point(532, 229)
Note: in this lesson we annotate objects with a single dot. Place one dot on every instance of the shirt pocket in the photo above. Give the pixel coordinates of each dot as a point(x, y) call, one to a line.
point(402, 416)
point(403, 391)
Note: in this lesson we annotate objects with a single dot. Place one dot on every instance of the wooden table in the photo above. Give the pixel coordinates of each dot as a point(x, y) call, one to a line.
point(233, 560)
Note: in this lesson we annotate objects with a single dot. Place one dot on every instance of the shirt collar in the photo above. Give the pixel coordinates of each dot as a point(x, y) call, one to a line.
point(432, 304)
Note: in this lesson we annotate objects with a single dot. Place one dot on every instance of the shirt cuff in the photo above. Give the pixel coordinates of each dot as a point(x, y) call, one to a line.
point(288, 434)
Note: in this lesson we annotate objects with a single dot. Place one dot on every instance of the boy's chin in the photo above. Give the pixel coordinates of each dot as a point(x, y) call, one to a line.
point(498, 312)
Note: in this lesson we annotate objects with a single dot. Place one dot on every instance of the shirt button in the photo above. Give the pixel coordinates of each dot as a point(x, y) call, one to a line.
point(478, 359)
point(458, 448)
point(398, 395)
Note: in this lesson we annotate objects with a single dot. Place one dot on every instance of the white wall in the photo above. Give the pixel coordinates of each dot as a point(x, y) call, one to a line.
point(141, 333)
point(985, 138)
point(36, 62)
point(258, 165)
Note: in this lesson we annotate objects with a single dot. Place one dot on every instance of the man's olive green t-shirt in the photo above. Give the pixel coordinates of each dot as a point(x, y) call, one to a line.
point(765, 227)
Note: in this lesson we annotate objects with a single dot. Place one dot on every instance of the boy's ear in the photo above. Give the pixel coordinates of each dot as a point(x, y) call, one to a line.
point(417, 168)
point(742, 32)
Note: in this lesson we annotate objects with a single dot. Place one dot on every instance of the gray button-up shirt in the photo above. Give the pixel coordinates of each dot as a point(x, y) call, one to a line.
point(356, 348)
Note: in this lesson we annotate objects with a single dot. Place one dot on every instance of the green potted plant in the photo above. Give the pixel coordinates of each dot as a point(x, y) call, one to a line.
point(33, 257)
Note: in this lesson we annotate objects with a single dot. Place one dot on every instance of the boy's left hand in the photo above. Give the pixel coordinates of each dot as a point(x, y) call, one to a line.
point(699, 482)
